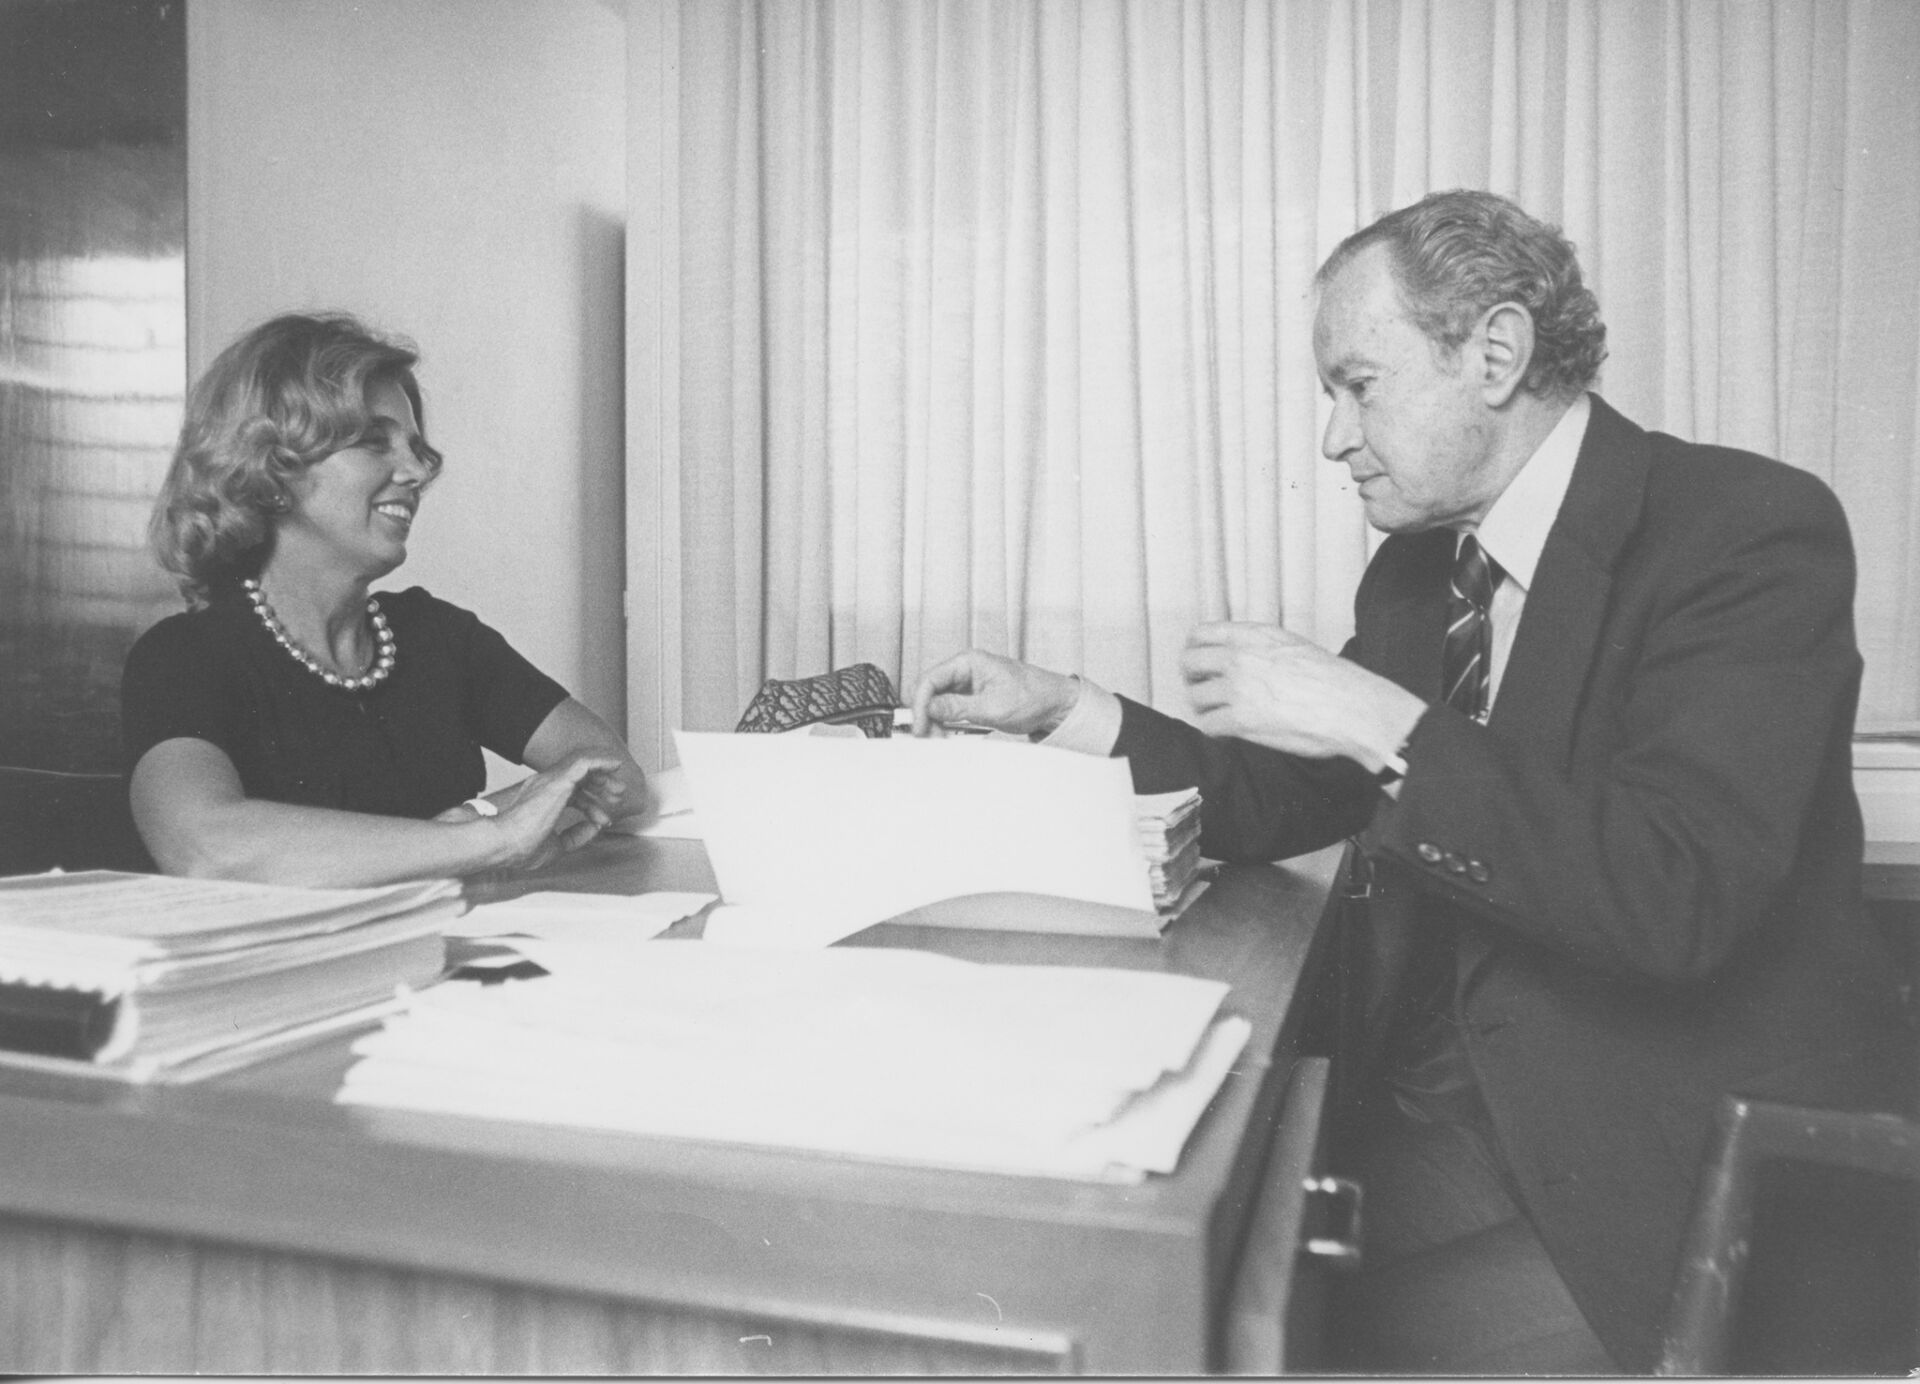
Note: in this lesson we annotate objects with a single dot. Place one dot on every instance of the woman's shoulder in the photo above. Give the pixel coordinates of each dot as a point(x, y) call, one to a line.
point(187, 631)
point(425, 623)
point(417, 607)
point(189, 646)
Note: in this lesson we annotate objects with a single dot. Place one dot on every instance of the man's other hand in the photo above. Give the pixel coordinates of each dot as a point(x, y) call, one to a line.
point(982, 689)
point(1260, 683)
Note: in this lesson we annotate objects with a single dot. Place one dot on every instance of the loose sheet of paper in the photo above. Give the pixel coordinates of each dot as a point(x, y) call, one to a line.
point(870, 829)
point(589, 919)
point(878, 1053)
point(757, 925)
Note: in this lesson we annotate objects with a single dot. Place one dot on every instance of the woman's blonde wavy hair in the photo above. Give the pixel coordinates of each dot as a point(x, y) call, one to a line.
point(288, 394)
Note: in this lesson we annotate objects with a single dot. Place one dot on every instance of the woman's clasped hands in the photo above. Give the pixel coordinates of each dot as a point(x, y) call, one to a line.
point(548, 814)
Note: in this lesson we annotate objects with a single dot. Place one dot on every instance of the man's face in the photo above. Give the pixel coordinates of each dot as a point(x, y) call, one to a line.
point(1409, 419)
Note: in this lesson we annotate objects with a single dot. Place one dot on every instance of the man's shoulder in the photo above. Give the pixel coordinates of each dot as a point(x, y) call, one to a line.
point(1701, 485)
point(1697, 482)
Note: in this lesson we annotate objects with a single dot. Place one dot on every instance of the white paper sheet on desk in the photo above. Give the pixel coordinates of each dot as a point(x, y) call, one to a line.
point(757, 925)
point(876, 828)
point(600, 919)
point(878, 1053)
point(677, 826)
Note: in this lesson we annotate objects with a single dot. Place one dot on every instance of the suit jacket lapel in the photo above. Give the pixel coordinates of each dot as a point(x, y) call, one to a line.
point(1560, 626)
point(1406, 629)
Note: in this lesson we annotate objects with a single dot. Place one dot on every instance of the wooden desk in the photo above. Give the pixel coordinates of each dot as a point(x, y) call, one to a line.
point(249, 1225)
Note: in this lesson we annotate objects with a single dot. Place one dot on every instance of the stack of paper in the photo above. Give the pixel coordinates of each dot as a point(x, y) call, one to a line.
point(148, 978)
point(1170, 839)
point(873, 1053)
point(955, 832)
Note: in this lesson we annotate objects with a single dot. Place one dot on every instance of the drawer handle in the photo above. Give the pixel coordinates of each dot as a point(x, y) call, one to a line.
point(1334, 1207)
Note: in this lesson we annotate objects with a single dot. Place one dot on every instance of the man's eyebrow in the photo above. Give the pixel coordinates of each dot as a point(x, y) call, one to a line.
point(1345, 369)
point(1342, 373)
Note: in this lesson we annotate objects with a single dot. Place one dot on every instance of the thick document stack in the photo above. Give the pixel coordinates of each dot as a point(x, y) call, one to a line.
point(149, 978)
point(898, 1055)
point(815, 838)
point(1170, 839)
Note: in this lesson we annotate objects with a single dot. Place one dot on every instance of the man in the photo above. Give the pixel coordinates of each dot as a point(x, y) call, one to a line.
point(1592, 737)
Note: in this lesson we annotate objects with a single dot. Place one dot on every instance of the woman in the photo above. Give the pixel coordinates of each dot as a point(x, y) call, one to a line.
point(291, 727)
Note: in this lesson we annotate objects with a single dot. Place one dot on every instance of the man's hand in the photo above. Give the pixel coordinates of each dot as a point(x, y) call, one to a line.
point(1260, 683)
point(985, 689)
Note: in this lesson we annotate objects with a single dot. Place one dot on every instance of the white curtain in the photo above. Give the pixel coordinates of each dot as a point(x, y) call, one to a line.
point(987, 322)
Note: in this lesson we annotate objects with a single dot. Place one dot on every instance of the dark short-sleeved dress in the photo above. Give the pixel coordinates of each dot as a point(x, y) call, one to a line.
point(408, 747)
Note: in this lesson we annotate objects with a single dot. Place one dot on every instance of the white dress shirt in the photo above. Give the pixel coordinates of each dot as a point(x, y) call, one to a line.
point(1515, 529)
point(1514, 532)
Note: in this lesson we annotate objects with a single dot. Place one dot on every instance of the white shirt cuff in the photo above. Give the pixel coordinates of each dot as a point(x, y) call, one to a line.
point(1093, 726)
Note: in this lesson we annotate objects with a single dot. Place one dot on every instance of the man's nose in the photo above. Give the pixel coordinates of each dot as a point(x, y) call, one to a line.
point(1342, 436)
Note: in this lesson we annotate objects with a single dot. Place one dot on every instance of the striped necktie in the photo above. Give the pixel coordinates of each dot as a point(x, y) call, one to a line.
point(1466, 664)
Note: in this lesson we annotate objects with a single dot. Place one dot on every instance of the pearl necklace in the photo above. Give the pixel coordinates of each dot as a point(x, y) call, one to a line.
point(383, 660)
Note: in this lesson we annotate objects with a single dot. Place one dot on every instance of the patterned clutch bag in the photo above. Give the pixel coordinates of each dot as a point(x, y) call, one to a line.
point(860, 695)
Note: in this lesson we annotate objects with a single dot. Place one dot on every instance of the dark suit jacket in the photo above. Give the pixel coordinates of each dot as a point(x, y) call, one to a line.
point(1650, 854)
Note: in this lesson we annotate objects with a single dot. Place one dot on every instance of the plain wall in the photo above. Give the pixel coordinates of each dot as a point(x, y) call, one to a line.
point(454, 171)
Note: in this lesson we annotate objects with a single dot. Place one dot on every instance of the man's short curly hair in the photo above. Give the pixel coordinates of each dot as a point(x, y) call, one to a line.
point(1456, 254)
point(288, 394)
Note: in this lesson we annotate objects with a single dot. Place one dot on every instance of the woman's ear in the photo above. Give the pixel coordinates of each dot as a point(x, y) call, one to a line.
point(1505, 337)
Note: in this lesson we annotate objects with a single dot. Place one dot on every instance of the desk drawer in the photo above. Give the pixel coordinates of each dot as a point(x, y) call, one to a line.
point(1276, 1318)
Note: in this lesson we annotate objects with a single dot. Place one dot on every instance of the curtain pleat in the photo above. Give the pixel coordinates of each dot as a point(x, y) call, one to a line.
point(996, 315)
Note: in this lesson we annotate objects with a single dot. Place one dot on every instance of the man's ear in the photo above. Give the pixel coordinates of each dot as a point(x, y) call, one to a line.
point(1505, 337)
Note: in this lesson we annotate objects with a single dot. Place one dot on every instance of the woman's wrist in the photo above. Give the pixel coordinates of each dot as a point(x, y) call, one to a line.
point(495, 848)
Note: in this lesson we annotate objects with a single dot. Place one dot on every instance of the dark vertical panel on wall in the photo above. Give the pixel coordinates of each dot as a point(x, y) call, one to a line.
point(92, 360)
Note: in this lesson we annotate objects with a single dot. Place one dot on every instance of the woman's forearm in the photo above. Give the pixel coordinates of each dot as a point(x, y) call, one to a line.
point(280, 843)
point(196, 819)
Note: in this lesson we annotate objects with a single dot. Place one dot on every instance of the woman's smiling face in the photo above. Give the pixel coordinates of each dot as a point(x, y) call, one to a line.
point(357, 506)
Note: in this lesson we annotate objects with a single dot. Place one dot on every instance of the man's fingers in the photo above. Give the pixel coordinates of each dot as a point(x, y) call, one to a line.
point(940, 690)
point(1198, 663)
point(1241, 634)
point(1208, 695)
point(1219, 723)
point(949, 707)
point(923, 696)
point(1227, 633)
